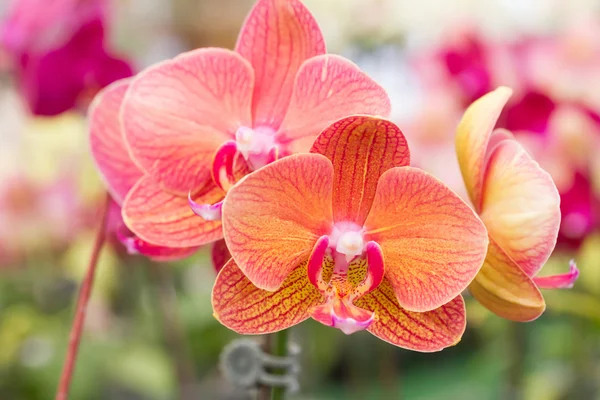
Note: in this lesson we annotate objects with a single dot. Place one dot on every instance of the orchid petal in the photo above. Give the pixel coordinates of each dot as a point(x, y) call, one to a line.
point(135, 245)
point(277, 37)
point(159, 217)
point(107, 144)
point(273, 217)
point(178, 112)
point(246, 309)
point(219, 254)
point(472, 137)
point(208, 212)
point(433, 243)
point(420, 331)
point(561, 281)
point(328, 88)
point(520, 206)
point(361, 148)
point(505, 289)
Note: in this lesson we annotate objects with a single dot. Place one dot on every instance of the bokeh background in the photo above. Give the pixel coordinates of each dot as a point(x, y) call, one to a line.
point(150, 329)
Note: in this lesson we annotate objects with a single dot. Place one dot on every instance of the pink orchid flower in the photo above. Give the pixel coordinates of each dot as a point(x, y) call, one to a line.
point(353, 237)
point(199, 122)
point(520, 207)
point(58, 48)
point(119, 171)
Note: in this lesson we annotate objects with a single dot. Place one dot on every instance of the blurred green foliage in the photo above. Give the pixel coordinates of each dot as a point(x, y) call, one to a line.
point(124, 354)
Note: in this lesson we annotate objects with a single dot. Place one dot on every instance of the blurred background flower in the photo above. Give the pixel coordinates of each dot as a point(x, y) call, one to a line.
point(433, 57)
point(59, 52)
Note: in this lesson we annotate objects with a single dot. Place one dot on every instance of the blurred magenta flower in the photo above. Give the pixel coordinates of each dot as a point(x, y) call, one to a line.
point(60, 53)
point(119, 171)
point(520, 206)
point(199, 122)
point(353, 237)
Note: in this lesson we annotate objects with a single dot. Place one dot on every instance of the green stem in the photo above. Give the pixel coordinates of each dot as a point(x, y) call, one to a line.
point(517, 336)
point(280, 349)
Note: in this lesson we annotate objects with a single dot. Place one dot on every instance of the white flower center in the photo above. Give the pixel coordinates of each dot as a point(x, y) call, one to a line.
point(347, 239)
point(255, 145)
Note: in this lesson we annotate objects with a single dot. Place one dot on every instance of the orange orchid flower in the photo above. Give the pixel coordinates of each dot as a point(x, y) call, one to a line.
point(197, 123)
point(353, 237)
point(520, 207)
point(118, 169)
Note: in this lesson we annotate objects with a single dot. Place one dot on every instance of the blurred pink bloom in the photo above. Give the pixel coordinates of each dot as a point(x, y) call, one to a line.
point(555, 112)
point(59, 52)
point(38, 217)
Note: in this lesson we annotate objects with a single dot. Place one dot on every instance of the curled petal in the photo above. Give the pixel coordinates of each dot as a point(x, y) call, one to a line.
point(219, 254)
point(177, 113)
point(562, 281)
point(520, 206)
point(277, 37)
point(273, 218)
point(361, 148)
point(135, 245)
point(160, 217)
point(472, 138)
point(432, 241)
point(246, 309)
point(107, 144)
point(208, 212)
point(420, 331)
point(328, 88)
point(505, 289)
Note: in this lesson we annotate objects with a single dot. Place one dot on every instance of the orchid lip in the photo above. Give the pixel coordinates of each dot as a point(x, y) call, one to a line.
point(561, 281)
point(340, 313)
point(349, 325)
point(209, 212)
point(129, 242)
point(345, 243)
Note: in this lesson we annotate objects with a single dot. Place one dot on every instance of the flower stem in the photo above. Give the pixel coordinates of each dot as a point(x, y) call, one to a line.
point(279, 348)
point(62, 393)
